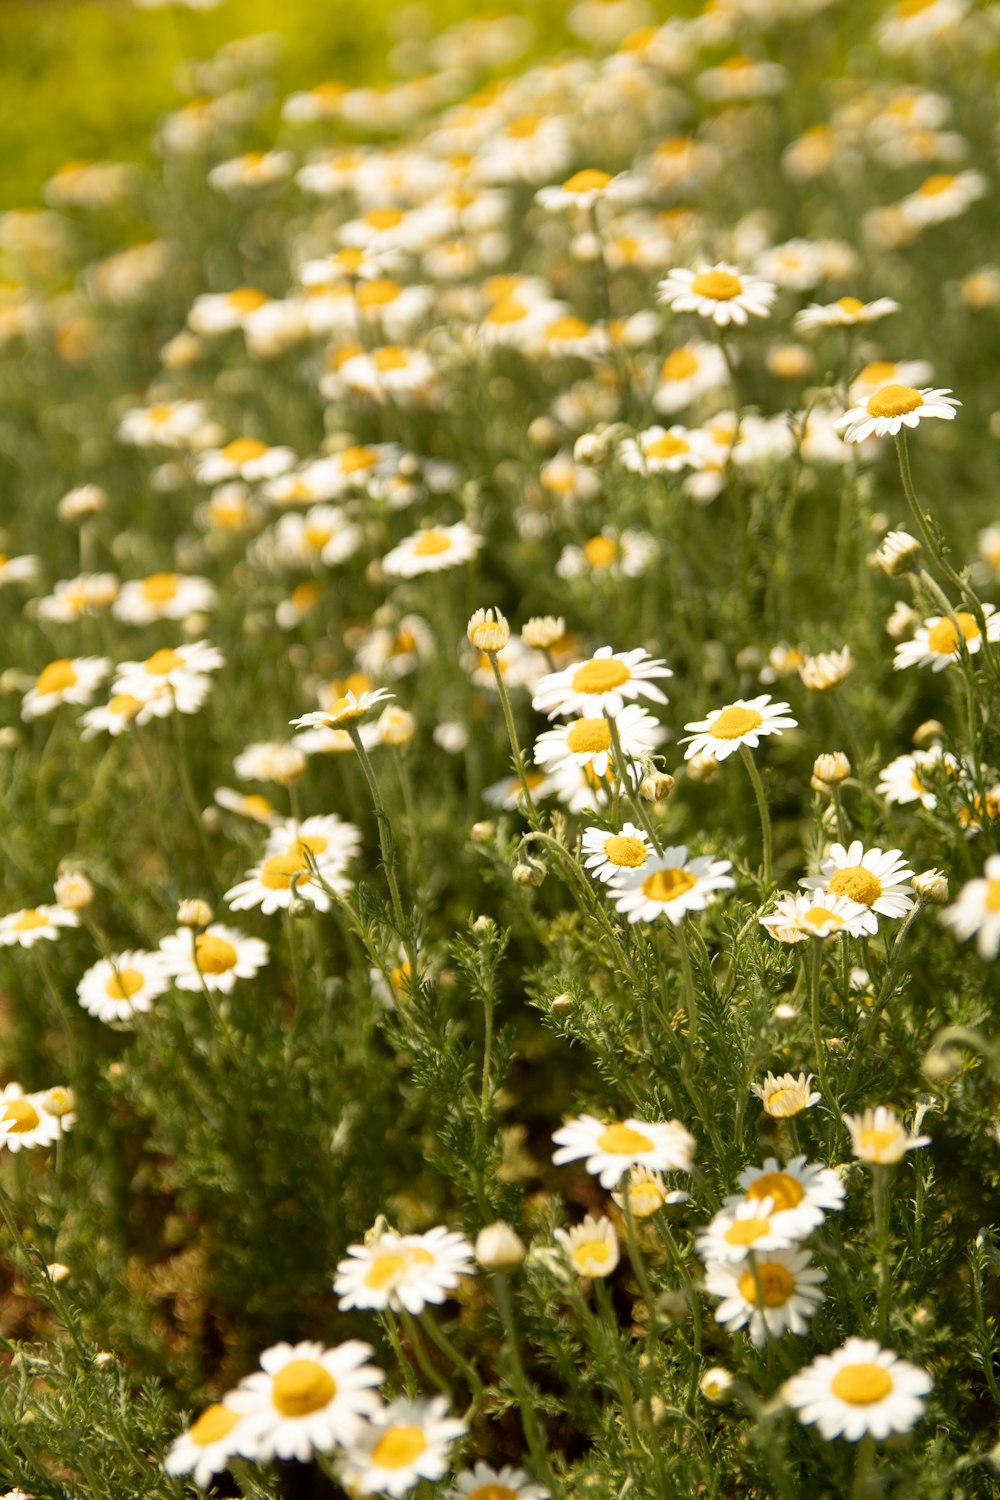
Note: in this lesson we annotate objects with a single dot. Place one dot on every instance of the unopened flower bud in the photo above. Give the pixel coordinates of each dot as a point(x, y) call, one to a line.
point(828, 670)
point(931, 885)
point(562, 1001)
point(487, 633)
point(716, 1384)
point(104, 1357)
point(898, 554)
point(702, 768)
point(481, 833)
point(73, 890)
point(830, 769)
point(528, 871)
point(59, 1101)
point(498, 1247)
point(785, 1016)
point(942, 1064)
point(930, 732)
point(543, 631)
point(901, 622)
point(194, 912)
point(656, 787)
point(86, 500)
point(484, 925)
point(57, 1272)
point(593, 448)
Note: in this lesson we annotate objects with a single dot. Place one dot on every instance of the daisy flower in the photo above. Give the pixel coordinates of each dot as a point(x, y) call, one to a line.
point(777, 1293)
point(687, 373)
point(741, 723)
point(657, 451)
point(796, 918)
point(68, 680)
point(163, 596)
point(611, 1148)
point(720, 292)
point(587, 742)
point(347, 709)
point(406, 1442)
point(611, 854)
point(243, 458)
point(937, 643)
point(786, 1095)
point(670, 884)
point(306, 1399)
point(73, 598)
point(646, 1193)
point(25, 1122)
point(325, 838)
point(279, 881)
point(893, 407)
point(167, 424)
point(33, 924)
point(17, 569)
point(602, 684)
point(483, 1483)
point(908, 778)
point(860, 1388)
point(117, 989)
point(879, 881)
point(880, 1138)
point(591, 1247)
point(403, 1270)
point(247, 805)
point(945, 195)
point(207, 1446)
point(975, 913)
point(213, 959)
point(800, 1193)
point(270, 760)
point(220, 312)
point(170, 678)
point(751, 1225)
point(432, 549)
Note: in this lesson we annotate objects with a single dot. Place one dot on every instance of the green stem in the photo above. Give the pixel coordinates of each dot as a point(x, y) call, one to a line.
point(426, 1365)
point(470, 1375)
point(519, 764)
point(625, 781)
point(690, 993)
point(765, 816)
point(533, 1434)
point(884, 994)
point(388, 847)
point(819, 1045)
point(880, 1228)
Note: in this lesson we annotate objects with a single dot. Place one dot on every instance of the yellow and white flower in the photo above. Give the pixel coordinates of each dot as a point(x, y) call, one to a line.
point(801, 1193)
point(35, 924)
point(306, 1399)
point(880, 1138)
point(750, 1225)
point(207, 1445)
point(945, 195)
point(591, 1247)
point(74, 598)
point(603, 684)
point(937, 644)
point(221, 312)
point(646, 1193)
point(281, 880)
point(255, 169)
point(111, 718)
point(688, 372)
point(17, 569)
point(483, 1483)
point(163, 596)
point(879, 373)
point(795, 919)
point(892, 408)
point(743, 722)
point(243, 458)
point(587, 742)
point(403, 1270)
point(777, 1292)
point(347, 709)
point(116, 990)
point(670, 884)
point(67, 680)
point(172, 678)
point(212, 959)
point(403, 1444)
point(25, 1122)
point(909, 778)
point(873, 879)
point(976, 912)
point(165, 424)
point(846, 312)
point(786, 1095)
point(611, 854)
point(270, 760)
point(860, 1388)
point(432, 549)
point(657, 451)
point(611, 1148)
point(720, 292)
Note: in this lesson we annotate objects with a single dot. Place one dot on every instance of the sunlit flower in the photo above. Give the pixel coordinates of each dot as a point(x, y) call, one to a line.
point(860, 1388)
point(431, 550)
point(212, 959)
point(116, 990)
point(403, 1444)
point(612, 1148)
point(801, 1193)
point(73, 598)
point(719, 292)
point(646, 1193)
point(892, 408)
point(657, 451)
point(347, 709)
point(611, 854)
point(64, 681)
point(786, 1095)
point(937, 643)
point(687, 373)
point(670, 884)
point(17, 569)
point(403, 1270)
point(743, 722)
point(34, 924)
point(880, 1138)
point(483, 1483)
point(244, 458)
point(25, 1122)
point(587, 742)
point(846, 312)
point(207, 1446)
point(254, 170)
point(163, 596)
point(603, 684)
point(750, 1224)
point(591, 1247)
point(818, 914)
point(976, 912)
point(306, 1399)
point(879, 881)
point(778, 1292)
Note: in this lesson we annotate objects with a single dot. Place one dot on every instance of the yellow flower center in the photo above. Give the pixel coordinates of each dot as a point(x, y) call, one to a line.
point(378, 293)
point(277, 873)
point(679, 365)
point(894, 401)
point(256, 806)
point(873, 1144)
point(817, 916)
point(942, 638)
point(160, 413)
point(391, 1264)
point(214, 954)
point(850, 305)
point(56, 677)
point(353, 460)
point(243, 450)
point(163, 661)
point(717, 286)
point(384, 218)
point(391, 357)
point(29, 920)
point(861, 1385)
point(992, 899)
point(567, 328)
point(600, 675)
point(589, 1252)
point(776, 1285)
point(746, 1231)
point(317, 537)
point(857, 884)
point(214, 1423)
point(302, 1386)
point(587, 181)
point(940, 183)
point(666, 447)
point(24, 1115)
point(160, 587)
point(667, 885)
point(622, 849)
point(783, 1190)
point(492, 1492)
point(398, 1448)
point(508, 309)
point(622, 1140)
point(645, 1198)
point(305, 595)
point(733, 722)
point(588, 736)
point(246, 299)
point(123, 984)
point(600, 551)
point(432, 544)
point(785, 1102)
point(523, 127)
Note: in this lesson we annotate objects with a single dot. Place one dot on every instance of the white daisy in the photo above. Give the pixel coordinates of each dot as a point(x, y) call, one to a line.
point(611, 1148)
point(432, 549)
point(306, 1399)
point(657, 451)
point(74, 598)
point(590, 1247)
point(860, 1388)
point(483, 1483)
point(25, 1122)
point(601, 685)
point(207, 1446)
point(800, 1193)
point(796, 918)
point(270, 760)
point(163, 596)
point(173, 677)
point(34, 924)
point(213, 959)
point(687, 373)
point(937, 643)
point(846, 312)
point(720, 292)
point(671, 885)
point(611, 854)
point(587, 742)
point(777, 1292)
point(908, 778)
point(279, 881)
point(743, 722)
point(247, 805)
point(879, 373)
point(879, 881)
point(646, 1192)
point(893, 407)
point(167, 424)
point(976, 912)
point(68, 680)
point(786, 1095)
point(406, 1442)
point(750, 1225)
point(880, 1138)
point(117, 989)
point(344, 710)
point(243, 458)
point(325, 838)
point(403, 1270)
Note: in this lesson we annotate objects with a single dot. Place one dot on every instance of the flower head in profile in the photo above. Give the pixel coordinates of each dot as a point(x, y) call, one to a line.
point(787, 1095)
point(846, 312)
point(892, 408)
point(941, 639)
point(611, 1148)
point(488, 631)
point(644, 1192)
point(720, 292)
point(671, 885)
point(860, 1388)
point(743, 722)
point(816, 914)
point(347, 709)
point(976, 912)
point(33, 924)
point(880, 1138)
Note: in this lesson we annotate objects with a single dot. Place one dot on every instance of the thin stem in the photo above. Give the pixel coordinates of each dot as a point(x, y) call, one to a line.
point(765, 816)
point(426, 1365)
point(387, 845)
point(625, 781)
point(880, 1232)
point(519, 764)
point(533, 1434)
point(819, 1045)
point(690, 993)
point(438, 1336)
